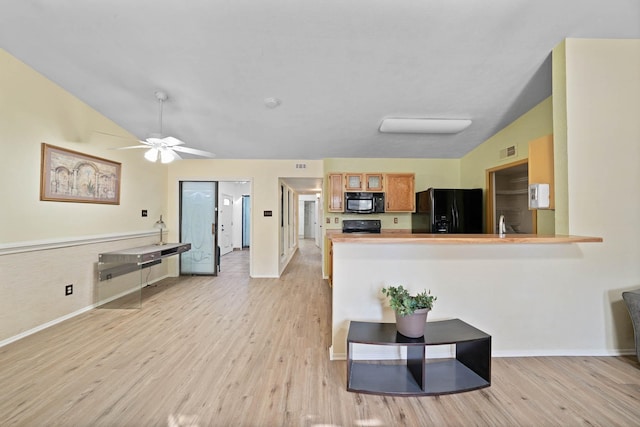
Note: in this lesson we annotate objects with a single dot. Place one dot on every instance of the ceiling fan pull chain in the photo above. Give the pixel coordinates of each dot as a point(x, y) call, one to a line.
point(161, 102)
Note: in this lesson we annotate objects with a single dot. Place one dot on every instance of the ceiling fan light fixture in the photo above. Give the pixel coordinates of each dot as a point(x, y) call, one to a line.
point(166, 156)
point(151, 154)
point(423, 125)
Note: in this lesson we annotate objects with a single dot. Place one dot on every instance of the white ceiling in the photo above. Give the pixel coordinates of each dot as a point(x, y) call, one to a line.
point(338, 66)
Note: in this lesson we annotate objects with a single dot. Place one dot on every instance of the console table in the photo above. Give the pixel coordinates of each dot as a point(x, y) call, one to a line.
point(113, 264)
point(417, 376)
point(123, 293)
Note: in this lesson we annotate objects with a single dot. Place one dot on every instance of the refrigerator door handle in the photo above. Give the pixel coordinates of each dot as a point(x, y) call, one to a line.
point(454, 214)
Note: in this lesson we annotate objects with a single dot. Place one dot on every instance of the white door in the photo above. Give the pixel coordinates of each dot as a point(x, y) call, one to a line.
point(309, 219)
point(225, 224)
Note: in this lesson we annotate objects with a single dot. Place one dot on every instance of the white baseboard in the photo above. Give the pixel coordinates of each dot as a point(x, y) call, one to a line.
point(442, 352)
point(561, 353)
point(45, 325)
point(68, 316)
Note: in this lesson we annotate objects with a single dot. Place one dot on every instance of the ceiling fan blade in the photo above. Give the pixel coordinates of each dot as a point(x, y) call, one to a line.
point(193, 151)
point(175, 153)
point(171, 141)
point(153, 141)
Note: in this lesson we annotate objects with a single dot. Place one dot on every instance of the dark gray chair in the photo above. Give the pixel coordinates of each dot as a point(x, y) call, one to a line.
point(632, 299)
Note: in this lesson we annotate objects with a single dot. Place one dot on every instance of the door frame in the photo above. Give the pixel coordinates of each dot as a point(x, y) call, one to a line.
point(491, 194)
point(214, 225)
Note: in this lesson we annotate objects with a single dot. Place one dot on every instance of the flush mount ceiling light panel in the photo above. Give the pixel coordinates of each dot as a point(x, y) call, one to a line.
point(418, 125)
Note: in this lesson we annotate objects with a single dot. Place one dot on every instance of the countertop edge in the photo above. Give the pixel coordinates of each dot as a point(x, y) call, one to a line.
point(492, 239)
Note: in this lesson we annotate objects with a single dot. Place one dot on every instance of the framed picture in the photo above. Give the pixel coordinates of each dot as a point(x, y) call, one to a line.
point(70, 176)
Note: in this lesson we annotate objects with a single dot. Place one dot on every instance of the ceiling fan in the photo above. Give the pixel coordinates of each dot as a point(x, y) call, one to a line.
point(166, 149)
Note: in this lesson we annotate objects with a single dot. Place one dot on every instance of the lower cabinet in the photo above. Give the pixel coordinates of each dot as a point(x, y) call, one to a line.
point(418, 376)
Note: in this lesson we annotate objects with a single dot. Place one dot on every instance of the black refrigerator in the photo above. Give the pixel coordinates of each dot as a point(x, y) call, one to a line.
point(448, 210)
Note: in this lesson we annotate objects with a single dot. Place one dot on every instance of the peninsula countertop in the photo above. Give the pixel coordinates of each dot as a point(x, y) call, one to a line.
point(402, 236)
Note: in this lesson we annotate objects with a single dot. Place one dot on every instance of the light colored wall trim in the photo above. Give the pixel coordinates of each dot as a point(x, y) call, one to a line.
point(442, 353)
point(63, 318)
point(41, 245)
point(45, 326)
point(33, 281)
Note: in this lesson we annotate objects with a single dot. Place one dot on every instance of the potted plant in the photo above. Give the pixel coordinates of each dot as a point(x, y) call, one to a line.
point(411, 310)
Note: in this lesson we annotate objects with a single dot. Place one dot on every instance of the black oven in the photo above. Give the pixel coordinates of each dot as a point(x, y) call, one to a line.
point(364, 203)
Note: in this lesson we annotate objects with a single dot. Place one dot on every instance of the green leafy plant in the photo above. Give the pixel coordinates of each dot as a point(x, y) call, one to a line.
point(403, 303)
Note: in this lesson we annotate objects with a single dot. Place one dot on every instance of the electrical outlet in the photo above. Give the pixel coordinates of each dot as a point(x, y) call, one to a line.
point(395, 220)
point(144, 212)
point(335, 220)
point(328, 220)
point(68, 290)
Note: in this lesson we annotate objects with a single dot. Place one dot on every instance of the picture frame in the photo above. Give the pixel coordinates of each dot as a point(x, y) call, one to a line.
point(71, 176)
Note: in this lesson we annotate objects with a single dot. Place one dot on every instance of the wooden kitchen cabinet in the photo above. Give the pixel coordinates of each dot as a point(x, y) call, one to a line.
point(541, 164)
point(353, 181)
point(363, 181)
point(336, 192)
point(373, 182)
point(330, 263)
point(399, 192)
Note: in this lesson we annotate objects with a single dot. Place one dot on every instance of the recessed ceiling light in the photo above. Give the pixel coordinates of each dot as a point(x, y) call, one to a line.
point(417, 125)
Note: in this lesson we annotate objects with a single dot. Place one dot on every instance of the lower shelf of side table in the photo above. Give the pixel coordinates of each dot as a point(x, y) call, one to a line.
point(444, 376)
point(418, 375)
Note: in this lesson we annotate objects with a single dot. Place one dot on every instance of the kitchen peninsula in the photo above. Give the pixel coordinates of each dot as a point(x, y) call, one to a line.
point(499, 284)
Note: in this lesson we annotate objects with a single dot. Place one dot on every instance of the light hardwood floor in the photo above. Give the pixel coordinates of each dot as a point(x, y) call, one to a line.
point(234, 351)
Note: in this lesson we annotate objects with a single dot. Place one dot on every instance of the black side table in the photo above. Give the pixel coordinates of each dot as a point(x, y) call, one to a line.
point(470, 370)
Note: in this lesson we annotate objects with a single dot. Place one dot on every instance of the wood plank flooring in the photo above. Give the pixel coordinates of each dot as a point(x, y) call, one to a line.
point(235, 351)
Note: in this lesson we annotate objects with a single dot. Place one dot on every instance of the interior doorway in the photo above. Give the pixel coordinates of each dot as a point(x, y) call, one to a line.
point(225, 224)
point(198, 218)
point(507, 197)
point(309, 220)
point(246, 221)
point(215, 218)
point(234, 217)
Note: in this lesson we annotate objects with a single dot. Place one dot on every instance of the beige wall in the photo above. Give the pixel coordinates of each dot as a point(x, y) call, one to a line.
point(603, 152)
point(535, 123)
point(559, 78)
point(47, 245)
point(35, 110)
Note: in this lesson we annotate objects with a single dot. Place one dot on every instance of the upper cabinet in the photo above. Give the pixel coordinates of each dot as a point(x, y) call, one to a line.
point(398, 189)
point(336, 192)
point(399, 192)
point(363, 181)
point(541, 164)
point(373, 182)
point(353, 181)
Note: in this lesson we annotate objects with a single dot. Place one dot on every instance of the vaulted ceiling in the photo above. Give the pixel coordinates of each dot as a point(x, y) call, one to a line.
point(337, 67)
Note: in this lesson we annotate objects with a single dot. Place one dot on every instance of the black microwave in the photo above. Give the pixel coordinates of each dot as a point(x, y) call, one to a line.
point(364, 203)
